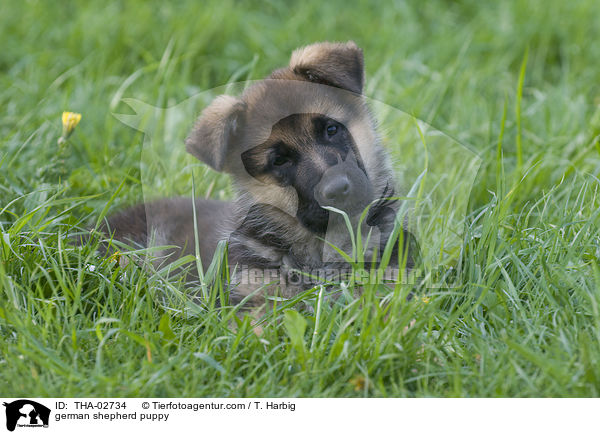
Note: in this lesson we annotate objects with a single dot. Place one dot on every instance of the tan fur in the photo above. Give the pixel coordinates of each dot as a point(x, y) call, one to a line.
point(324, 59)
point(214, 125)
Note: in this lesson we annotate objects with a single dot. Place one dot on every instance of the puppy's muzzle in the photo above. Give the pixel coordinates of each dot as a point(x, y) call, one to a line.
point(345, 187)
point(335, 190)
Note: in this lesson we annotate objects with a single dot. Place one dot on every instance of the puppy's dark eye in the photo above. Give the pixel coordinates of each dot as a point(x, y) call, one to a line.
point(280, 160)
point(331, 130)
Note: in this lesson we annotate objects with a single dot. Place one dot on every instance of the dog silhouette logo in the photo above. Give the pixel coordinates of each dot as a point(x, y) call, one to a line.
point(26, 413)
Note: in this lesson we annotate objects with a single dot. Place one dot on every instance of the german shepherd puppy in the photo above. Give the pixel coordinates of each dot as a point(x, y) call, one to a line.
point(301, 148)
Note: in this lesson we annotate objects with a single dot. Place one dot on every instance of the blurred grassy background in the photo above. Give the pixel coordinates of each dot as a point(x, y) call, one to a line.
point(528, 324)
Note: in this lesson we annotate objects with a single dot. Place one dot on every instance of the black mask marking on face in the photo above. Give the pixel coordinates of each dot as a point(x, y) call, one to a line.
point(300, 150)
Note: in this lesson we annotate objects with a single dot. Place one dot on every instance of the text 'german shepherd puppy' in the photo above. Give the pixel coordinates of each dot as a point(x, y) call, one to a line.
point(296, 145)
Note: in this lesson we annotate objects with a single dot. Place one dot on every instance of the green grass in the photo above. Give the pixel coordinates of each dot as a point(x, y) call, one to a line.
point(525, 319)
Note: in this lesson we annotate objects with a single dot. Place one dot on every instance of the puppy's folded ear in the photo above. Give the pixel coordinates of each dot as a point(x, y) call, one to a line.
point(215, 130)
point(335, 64)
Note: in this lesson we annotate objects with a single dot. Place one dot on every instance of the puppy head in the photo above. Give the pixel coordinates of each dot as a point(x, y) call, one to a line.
point(282, 137)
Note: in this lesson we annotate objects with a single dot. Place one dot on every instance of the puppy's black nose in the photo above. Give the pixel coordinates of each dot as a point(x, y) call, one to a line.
point(336, 190)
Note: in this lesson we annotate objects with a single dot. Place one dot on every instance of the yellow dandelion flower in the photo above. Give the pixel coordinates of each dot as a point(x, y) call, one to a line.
point(116, 257)
point(425, 299)
point(69, 122)
point(359, 382)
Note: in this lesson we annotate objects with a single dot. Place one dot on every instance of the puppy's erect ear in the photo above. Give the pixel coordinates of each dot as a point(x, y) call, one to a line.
point(335, 64)
point(214, 132)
